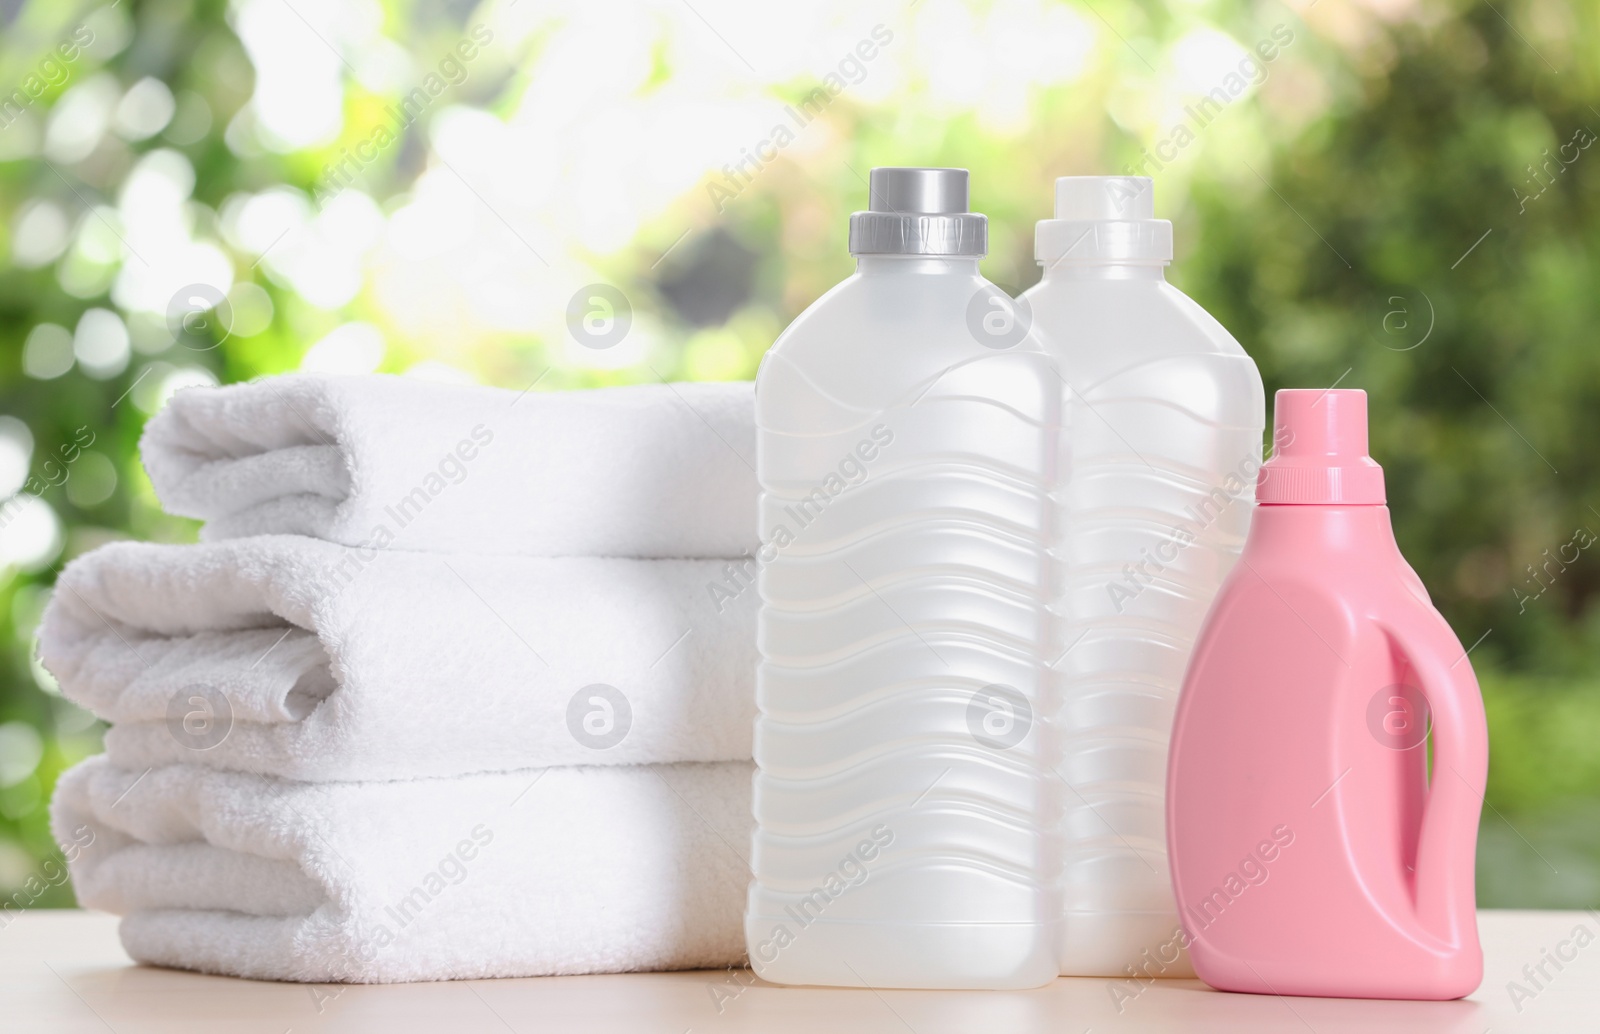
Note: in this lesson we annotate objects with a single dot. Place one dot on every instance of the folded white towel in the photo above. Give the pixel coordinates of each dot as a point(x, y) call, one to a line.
point(572, 870)
point(664, 470)
point(294, 657)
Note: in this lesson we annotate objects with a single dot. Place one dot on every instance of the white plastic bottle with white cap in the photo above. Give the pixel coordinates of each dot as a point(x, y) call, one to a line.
point(1167, 413)
point(908, 439)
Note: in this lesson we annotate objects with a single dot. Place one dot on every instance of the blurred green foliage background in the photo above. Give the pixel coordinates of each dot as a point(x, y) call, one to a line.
point(1403, 200)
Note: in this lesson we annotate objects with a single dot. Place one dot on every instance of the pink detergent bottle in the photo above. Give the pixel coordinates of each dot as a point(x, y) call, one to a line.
point(1311, 852)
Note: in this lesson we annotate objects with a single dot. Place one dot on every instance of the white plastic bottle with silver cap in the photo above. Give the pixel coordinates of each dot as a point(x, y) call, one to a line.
point(1167, 413)
point(908, 439)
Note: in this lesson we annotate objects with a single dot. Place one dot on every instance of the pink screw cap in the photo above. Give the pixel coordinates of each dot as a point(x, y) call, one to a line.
point(1319, 450)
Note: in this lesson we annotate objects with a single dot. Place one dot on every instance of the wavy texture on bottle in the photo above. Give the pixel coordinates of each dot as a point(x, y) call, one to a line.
point(1164, 455)
point(891, 603)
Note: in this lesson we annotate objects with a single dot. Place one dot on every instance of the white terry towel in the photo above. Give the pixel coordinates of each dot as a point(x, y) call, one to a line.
point(314, 661)
point(663, 470)
point(573, 870)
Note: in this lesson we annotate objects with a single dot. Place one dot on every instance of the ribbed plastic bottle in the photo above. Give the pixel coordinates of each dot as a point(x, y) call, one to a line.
point(1166, 411)
point(907, 444)
point(1311, 852)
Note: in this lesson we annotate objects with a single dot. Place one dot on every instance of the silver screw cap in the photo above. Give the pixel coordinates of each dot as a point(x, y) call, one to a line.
point(918, 212)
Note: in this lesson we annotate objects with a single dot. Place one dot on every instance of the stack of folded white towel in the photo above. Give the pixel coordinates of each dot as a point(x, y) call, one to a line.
point(454, 686)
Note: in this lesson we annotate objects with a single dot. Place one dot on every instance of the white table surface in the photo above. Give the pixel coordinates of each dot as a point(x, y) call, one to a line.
point(65, 972)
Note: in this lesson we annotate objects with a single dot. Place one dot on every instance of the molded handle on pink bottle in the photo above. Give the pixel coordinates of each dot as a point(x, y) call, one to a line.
point(1445, 871)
